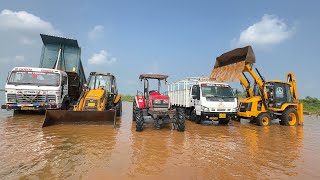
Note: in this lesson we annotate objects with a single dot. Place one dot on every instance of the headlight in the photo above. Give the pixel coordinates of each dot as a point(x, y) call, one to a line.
point(11, 100)
point(234, 109)
point(205, 109)
point(52, 100)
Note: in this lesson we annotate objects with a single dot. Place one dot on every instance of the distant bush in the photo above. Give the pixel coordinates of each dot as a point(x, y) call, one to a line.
point(128, 98)
point(311, 104)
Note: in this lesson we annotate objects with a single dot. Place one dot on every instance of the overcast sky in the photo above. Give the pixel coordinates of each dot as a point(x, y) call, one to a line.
point(178, 38)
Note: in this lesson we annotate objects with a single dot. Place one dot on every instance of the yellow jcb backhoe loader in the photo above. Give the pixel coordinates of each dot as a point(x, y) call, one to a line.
point(267, 100)
point(98, 103)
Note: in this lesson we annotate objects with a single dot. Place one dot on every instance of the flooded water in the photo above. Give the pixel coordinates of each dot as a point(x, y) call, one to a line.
point(236, 151)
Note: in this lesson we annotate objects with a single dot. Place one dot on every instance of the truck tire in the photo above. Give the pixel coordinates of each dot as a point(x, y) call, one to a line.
point(193, 116)
point(264, 119)
point(119, 108)
point(65, 105)
point(198, 119)
point(139, 120)
point(289, 117)
point(180, 120)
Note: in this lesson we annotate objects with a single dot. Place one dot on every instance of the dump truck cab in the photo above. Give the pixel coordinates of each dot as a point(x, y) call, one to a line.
point(213, 101)
point(38, 89)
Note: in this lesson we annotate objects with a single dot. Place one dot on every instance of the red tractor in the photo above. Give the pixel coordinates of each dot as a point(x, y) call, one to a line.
point(151, 107)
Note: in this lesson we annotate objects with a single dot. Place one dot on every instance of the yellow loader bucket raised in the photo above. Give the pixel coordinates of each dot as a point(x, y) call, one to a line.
point(54, 117)
point(230, 65)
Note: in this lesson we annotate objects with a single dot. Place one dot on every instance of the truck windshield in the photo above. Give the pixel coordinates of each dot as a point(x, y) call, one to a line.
point(217, 91)
point(34, 78)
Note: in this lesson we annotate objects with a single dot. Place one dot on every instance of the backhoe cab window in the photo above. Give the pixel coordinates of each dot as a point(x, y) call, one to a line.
point(217, 91)
point(105, 82)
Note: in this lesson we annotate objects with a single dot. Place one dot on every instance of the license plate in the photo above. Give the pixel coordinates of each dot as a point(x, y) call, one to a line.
point(222, 116)
point(27, 108)
point(91, 104)
point(213, 118)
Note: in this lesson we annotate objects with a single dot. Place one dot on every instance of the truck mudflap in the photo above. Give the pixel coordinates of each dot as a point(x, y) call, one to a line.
point(29, 107)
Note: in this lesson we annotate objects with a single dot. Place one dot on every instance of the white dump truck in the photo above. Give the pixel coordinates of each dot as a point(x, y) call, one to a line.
point(204, 101)
point(36, 89)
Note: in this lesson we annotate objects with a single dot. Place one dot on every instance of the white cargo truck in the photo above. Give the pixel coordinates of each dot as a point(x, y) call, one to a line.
point(36, 89)
point(204, 101)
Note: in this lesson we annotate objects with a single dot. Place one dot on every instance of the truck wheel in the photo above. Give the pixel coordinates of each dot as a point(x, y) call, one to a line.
point(65, 105)
point(198, 119)
point(193, 116)
point(180, 120)
point(139, 120)
point(119, 108)
point(289, 117)
point(264, 119)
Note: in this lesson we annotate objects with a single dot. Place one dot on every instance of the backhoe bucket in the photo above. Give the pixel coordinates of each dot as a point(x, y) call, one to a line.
point(54, 117)
point(230, 65)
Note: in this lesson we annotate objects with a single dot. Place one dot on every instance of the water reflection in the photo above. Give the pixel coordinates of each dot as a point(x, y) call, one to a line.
point(240, 150)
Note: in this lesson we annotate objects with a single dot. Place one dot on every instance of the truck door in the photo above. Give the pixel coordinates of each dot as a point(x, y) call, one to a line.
point(196, 98)
point(64, 86)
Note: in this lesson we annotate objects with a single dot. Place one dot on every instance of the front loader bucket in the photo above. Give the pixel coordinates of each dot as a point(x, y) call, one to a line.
point(229, 65)
point(54, 117)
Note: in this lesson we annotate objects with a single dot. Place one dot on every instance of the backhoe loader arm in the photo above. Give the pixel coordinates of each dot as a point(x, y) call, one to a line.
point(293, 88)
point(246, 85)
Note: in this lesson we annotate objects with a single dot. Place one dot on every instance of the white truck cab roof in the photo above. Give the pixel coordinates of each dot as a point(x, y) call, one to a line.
point(33, 69)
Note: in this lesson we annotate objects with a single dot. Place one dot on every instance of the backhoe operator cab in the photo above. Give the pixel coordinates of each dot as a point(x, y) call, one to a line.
point(152, 107)
point(106, 82)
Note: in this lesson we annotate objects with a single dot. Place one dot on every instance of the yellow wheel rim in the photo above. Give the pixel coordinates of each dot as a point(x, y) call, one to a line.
point(265, 121)
point(293, 119)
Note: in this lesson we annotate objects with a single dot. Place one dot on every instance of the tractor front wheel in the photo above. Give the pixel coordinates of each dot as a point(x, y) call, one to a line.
point(139, 120)
point(180, 120)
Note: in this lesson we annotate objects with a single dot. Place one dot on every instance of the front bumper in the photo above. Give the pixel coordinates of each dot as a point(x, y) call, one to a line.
point(161, 113)
point(29, 107)
point(216, 116)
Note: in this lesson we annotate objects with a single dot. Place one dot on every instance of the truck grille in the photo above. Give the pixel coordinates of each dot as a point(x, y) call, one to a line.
point(30, 98)
point(51, 98)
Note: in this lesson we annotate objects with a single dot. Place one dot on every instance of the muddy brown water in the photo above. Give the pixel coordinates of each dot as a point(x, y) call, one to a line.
point(236, 151)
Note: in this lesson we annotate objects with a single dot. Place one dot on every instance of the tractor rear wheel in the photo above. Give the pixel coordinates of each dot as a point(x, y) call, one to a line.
point(139, 120)
point(264, 119)
point(180, 120)
point(289, 117)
